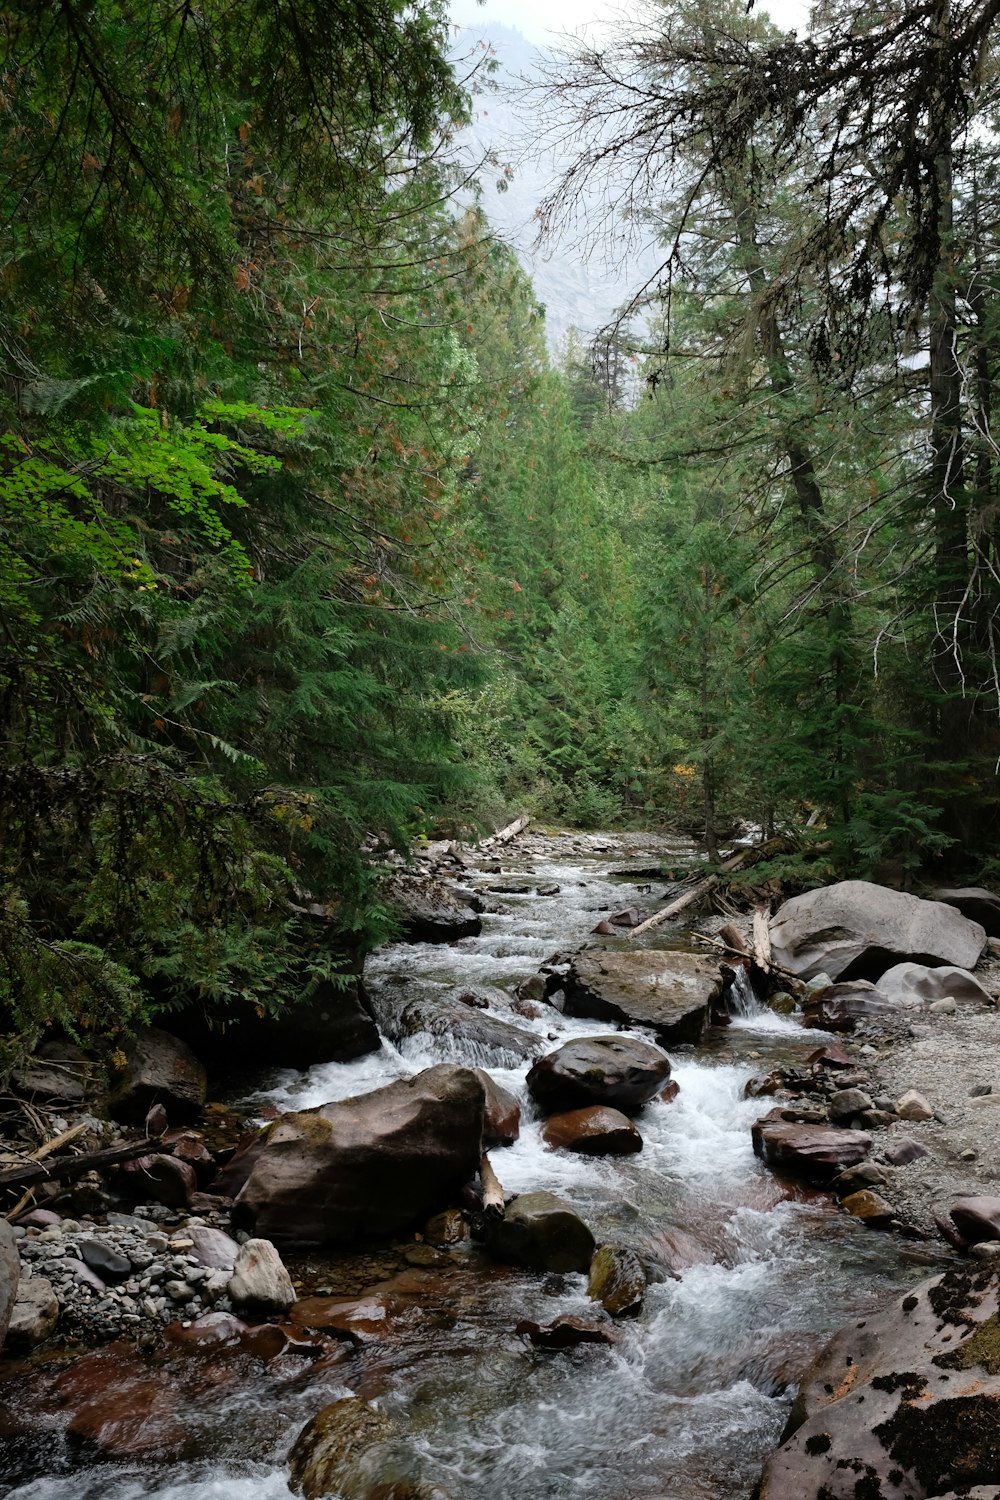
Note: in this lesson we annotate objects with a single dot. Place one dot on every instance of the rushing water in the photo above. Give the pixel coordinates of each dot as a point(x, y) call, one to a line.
point(750, 1278)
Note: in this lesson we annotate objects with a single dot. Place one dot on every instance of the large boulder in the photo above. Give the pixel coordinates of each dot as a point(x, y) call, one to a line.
point(918, 984)
point(904, 1405)
point(429, 910)
point(368, 1165)
point(539, 1230)
point(617, 1070)
point(358, 1453)
point(10, 1275)
point(974, 902)
point(857, 930)
point(816, 1152)
point(158, 1069)
point(977, 1218)
point(260, 1282)
point(670, 993)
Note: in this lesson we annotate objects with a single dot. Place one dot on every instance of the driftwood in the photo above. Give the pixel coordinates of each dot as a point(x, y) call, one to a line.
point(762, 939)
point(688, 899)
point(734, 940)
point(493, 1200)
point(68, 1168)
point(505, 835)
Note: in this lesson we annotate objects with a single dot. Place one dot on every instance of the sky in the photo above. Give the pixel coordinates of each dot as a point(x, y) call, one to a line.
point(543, 21)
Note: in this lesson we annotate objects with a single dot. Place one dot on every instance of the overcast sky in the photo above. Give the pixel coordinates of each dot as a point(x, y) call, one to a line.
point(543, 21)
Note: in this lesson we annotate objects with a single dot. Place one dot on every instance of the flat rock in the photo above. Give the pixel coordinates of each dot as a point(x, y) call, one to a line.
point(567, 1332)
point(369, 1165)
point(816, 1152)
point(670, 993)
point(105, 1262)
point(595, 1130)
point(430, 911)
point(620, 1071)
point(857, 930)
point(213, 1247)
point(542, 1232)
point(920, 985)
point(901, 1405)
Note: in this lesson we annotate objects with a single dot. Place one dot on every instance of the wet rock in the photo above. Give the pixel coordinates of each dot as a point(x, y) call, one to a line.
point(401, 1015)
point(159, 1069)
point(502, 1118)
point(358, 1453)
point(542, 1232)
point(105, 1262)
point(532, 988)
point(857, 930)
point(839, 1007)
point(363, 1166)
point(448, 1228)
point(620, 1071)
point(359, 1320)
point(816, 1152)
point(430, 911)
point(917, 984)
point(871, 1208)
point(977, 1219)
point(593, 1131)
point(10, 1275)
point(901, 1405)
point(259, 1280)
point(913, 1106)
point(566, 1332)
point(617, 1280)
point(974, 902)
point(33, 1317)
point(627, 918)
point(119, 1409)
point(670, 993)
point(669, 1094)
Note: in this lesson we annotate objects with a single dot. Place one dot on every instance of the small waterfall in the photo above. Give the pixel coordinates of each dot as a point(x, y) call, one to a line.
point(740, 996)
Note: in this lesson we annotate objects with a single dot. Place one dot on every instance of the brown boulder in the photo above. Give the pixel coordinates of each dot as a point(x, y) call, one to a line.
point(502, 1117)
point(977, 1219)
point(617, 1070)
point(358, 1453)
point(368, 1165)
point(670, 993)
point(594, 1131)
point(816, 1152)
point(158, 1069)
point(566, 1332)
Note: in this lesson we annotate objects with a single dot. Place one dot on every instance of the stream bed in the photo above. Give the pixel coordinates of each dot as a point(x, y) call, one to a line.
point(750, 1275)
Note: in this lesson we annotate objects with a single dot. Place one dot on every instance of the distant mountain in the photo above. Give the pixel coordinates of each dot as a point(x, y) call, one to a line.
point(577, 289)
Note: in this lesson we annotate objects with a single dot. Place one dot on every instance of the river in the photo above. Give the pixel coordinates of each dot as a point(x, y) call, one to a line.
point(750, 1275)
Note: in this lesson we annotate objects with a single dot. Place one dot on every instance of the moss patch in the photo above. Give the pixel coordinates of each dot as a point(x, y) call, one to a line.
point(980, 1348)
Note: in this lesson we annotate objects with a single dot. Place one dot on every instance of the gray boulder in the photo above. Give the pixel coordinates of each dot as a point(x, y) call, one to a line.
point(405, 1008)
point(369, 1165)
point(10, 1275)
point(858, 930)
point(618, 1070)
point(542, 1232)
point(903, 1405)
point(918, 984)
point(670, 993)
point(259, 1281)
point(33, 1316)
point(974, 902)
point(429, 910)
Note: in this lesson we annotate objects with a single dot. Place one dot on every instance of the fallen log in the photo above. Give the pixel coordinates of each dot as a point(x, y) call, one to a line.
point(734, 940)
point(494, 1206)
point(688, 899)
point(762, 939)
point(68, 1168)
point(504, 835)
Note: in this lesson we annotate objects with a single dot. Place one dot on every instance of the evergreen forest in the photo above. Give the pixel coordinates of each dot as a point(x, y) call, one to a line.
point(311, 548)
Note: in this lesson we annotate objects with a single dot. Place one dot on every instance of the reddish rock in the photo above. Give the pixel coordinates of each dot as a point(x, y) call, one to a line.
point(363, 1166)
point(159, 1179)
point(502, 1116)
point(190, 1148)
point(831, 1057)
point(669, 1094)
point(566, 1332)
point(839, 1007)
point(617, 1070)
point(119, 1408)
point(357, 1319)
point(816, 1152)
point(594, 1131)
point(902, 1151)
